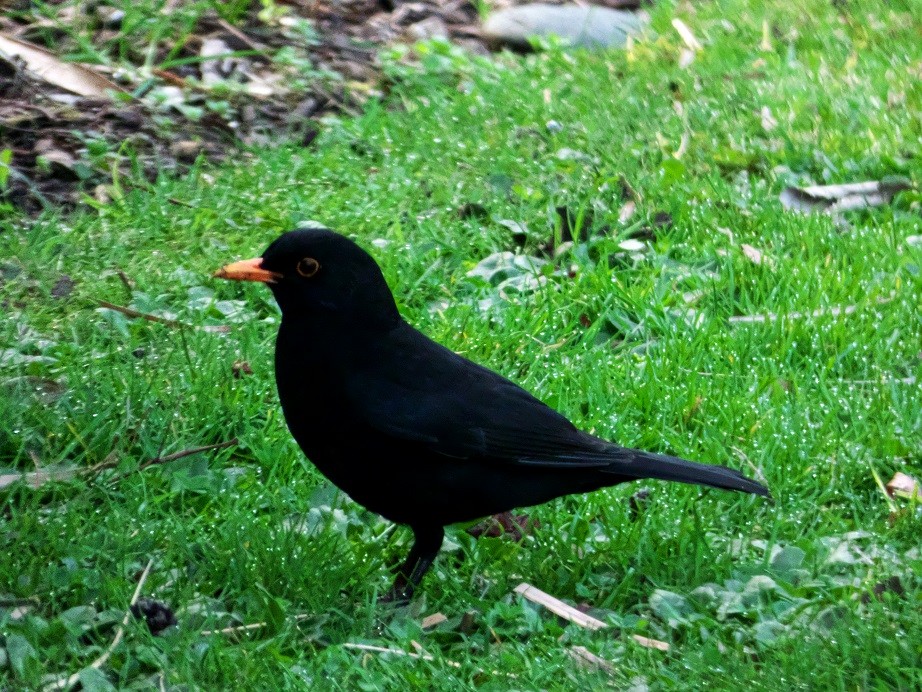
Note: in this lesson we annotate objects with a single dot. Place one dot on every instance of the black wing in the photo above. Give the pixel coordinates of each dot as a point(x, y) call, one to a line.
point(417, 390)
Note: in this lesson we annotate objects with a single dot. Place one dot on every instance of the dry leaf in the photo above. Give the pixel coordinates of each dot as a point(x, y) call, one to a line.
point(687, 36)
point(262, 85)
point(19, 612)
point(628, 210)
point(215, 65)
point(241, 368)
point(834, 199)
point(905, 486)
point(753, 254)
point(60, 160)
point(432, 620)
point(683, 146)
point(46, 65)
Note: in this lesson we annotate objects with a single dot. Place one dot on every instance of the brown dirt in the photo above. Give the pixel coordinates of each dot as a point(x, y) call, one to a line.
point(65, 147)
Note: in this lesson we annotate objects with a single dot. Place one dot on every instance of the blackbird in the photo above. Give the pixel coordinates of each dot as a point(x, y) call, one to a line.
point(410, 429)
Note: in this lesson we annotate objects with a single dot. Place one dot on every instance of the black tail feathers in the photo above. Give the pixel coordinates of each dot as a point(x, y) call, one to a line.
point(667, 468)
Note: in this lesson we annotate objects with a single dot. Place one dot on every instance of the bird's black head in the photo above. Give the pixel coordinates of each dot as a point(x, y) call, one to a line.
point(316, 273)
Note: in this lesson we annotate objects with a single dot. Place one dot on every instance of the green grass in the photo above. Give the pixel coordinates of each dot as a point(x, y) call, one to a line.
point(817, 406)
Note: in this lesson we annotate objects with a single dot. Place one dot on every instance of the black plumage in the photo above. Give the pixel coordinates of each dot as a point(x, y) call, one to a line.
point(410, 429)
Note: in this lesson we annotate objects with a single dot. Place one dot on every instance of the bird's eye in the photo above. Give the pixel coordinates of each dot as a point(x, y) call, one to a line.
point(308, 267)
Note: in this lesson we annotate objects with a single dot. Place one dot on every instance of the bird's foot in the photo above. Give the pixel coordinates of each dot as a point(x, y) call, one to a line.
point(400, 594)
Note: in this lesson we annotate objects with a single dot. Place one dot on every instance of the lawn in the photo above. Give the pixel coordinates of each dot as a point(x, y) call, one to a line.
point(693, 315)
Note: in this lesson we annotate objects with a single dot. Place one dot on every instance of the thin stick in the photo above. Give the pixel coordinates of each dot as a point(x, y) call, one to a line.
point(650, 643)
point(126, 282)
point(186, 453)
point(584, 656)
point(71, 680)
point(162, 460)
point(558, 607)
point(36, 479)
point(555, 605)
point(236, 629)
point(243, 38)
point(883, 380)
point(397, 652)
point(131, 312)
point(833, 311)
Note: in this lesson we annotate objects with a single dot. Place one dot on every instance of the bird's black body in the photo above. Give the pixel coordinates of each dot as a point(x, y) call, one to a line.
point(413, 431)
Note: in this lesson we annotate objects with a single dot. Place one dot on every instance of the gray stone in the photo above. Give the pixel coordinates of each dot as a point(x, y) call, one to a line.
point(429, 28)
point(588, 27)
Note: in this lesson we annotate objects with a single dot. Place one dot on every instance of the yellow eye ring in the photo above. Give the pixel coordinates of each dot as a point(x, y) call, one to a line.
point(308, 267)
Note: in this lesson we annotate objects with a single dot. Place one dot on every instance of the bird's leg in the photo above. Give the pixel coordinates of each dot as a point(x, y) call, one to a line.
point(426, 545)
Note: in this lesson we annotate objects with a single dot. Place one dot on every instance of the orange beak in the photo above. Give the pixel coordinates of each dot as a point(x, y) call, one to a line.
point(248, 270)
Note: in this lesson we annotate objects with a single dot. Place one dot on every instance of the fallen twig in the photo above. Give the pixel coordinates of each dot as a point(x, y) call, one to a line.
point(131, 312)
point(650, 643)
point(834, 311)
point(237, 629)
point(162, 460)
point(184, 453)
point(584, 656)
point(71, 680)
point(567, 612)
point(891, 380)
point(171, 78)
point(558, 607)
point(36, 479)
point(243, 38)
point(397, 652)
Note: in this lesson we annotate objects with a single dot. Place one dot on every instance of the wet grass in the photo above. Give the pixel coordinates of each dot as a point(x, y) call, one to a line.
point(635, 345)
